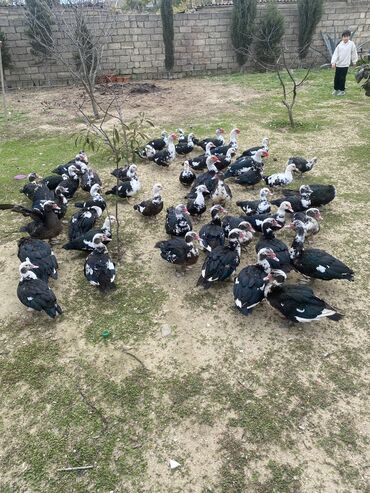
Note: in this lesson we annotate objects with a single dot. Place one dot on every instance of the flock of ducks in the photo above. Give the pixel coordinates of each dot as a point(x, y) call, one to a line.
point(222, 239)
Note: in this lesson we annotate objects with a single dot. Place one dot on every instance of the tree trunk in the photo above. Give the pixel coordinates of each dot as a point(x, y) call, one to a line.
point(290, 113)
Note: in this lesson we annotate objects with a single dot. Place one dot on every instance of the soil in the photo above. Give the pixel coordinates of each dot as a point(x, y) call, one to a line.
point(207, 328)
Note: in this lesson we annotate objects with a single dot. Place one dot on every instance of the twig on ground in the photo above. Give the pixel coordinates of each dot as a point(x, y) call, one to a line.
point(79, 468)
point(94, 408)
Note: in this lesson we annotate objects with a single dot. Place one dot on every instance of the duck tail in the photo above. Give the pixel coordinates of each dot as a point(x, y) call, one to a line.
point(336, 317)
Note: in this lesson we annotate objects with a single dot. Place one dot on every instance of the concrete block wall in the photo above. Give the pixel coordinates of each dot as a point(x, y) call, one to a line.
point(202, 41)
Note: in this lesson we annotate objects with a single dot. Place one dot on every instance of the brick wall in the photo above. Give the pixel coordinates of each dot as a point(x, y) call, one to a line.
point(202, 41)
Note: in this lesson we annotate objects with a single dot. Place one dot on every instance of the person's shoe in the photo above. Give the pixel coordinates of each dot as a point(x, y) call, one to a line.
point(335, 93)
point(341, 93)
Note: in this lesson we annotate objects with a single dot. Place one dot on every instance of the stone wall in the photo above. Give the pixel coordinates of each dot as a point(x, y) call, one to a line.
point(202, 41)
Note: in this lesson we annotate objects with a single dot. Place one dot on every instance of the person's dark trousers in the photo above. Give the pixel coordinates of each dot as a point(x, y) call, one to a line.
point(340, 78)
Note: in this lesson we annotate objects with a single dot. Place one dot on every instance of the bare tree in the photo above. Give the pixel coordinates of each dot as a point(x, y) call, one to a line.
point(71, 43)
point(117, 137)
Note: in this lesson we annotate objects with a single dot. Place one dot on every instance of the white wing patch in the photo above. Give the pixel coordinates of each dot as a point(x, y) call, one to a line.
point(321, 268)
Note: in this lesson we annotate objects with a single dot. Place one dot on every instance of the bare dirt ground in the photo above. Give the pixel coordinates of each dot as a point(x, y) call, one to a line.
point(279, 408)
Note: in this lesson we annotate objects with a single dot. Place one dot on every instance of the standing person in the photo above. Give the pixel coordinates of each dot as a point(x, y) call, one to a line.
point(344, 55)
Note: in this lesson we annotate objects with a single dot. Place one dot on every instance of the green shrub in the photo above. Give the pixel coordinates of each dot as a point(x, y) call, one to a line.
point(5, 54)
point(242, 27)
point(168, 34)
point(309, 15)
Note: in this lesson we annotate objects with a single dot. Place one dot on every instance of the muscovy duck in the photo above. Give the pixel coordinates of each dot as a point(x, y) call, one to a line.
point(70, 182)
point(29, 188)
point(250, 177)
point(268, 240)
point(233, 142)
point(99, 269)
point(321, 194)
point(35, 293)
point(207, 178)
point(82, 221)
point(38, 253)
point(153, 206)
point(231, 222)
point(252, 150)
point(185, 147)
point(224, 161)
point(187, 176)
point(85, 242)
point(222, 261)
point(222, 193)
point(212, 235)
point(89, 177)
point(177, 221)
point(261, 206)
point(200, 162)
point(96, 199)
point(249, 285)
point(243, 164)
point(296, 302)
point(281, 179)
point(45, 225)
point(249, 230)
point(121, 173)
point(62, 169)
point(155, 144)
point(61, 201)
point(127, 188)
point(316, 263)
point(310, 219)
point(303, 165)
point(217, 141)
point(299, 202)
point(197, 205)
point(180, 251)
point(166, 156)
point(182, 137)
point(280, 216)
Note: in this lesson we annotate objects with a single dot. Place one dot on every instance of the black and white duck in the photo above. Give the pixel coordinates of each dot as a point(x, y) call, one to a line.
point(310, 219)
point(216, 141)
point(196, 204)
point(70, 181)
point(207, 178)
point(99, 269)
point(296, 302)
point(224, 161)
point(313, 262)
point(281, 179)
point(127, 188)
point(187, 176)
point(252, 150)
point(212, 235)
point(61, 201)
point(177, 221)
point(96, 199)
point(85, 242)
point(82, 221)
point(155, 144)
point(153, 206)
point(299, 202)
point(245, 163)
point(321, 194)
point(233, 143)
point(303, 165)
point(121, 173)
point(222, 193)
point(166, 156)
point(184, 148)
point(62, 169)
point(256, 220)
point(180, 251)
point(45, 225)
point(268, 240)
point(39, 253)
point(261, 206)
point(250, 283)
point(88, 178)
point(29, 188)
point(249, 230)
point(200, 162)
point(222, 261)
point(250, 177)
point(35, 293)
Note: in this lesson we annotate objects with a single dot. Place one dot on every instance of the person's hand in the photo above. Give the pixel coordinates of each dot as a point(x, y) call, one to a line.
point(333, 65)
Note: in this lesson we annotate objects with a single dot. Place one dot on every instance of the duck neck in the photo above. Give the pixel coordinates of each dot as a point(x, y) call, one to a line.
point(306, 200)
point(199, 199)
point(268, 233)
point(171, 148)
point(264, 263)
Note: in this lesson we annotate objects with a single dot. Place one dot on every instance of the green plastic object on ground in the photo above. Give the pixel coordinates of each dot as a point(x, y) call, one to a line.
point(105, 334)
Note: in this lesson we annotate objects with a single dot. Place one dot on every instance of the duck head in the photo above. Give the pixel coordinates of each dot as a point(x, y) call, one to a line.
point(276, 277)
point(210, 162)
point(95, 189)
point(157, 187)
point(286, 206)
point(264, 193)
point(314, 212)
point(26, 270)
point(191, 236)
